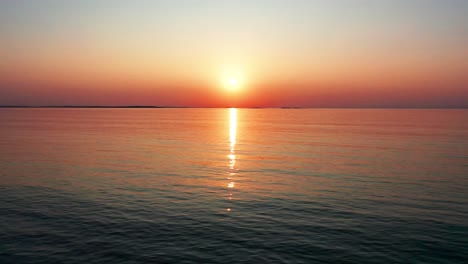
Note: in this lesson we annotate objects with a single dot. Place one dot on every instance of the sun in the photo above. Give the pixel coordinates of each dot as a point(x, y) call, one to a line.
point(232, 81)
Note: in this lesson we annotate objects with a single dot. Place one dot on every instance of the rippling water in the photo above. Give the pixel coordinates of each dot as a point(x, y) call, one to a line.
point(233, 186)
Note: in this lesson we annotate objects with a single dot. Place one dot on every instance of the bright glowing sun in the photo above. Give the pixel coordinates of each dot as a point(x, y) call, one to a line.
point(232, 82)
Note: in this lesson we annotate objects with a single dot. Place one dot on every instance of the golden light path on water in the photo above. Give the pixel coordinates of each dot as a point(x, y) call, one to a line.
point(232, 145)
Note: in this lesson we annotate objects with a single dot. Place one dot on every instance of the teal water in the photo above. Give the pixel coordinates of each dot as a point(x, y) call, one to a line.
point(233, 186)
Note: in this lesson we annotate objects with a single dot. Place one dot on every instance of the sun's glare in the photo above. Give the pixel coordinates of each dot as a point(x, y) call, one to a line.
point(232, 81)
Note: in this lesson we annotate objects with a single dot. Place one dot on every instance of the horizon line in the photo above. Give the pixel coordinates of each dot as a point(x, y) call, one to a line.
point(247, 107)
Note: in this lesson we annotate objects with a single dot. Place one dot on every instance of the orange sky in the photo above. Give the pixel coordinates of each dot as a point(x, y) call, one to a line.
point(176, 53)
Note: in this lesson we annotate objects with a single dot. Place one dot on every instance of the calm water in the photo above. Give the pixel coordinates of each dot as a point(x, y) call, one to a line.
point(233, 186)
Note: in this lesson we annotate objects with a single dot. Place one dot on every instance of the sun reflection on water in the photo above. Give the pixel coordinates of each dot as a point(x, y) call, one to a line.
point(232, 127)
point(232, 148)
point(232, 138)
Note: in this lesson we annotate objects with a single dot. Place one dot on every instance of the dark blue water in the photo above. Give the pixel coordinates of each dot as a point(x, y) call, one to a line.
point(233, 186)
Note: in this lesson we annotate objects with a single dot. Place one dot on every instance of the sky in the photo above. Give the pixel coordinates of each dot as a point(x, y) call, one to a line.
point(215, 53)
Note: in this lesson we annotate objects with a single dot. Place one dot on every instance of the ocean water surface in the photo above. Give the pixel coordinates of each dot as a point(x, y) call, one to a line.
point(233, 186)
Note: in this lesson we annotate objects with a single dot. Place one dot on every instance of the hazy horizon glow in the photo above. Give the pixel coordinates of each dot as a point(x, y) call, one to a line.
point(357, 53)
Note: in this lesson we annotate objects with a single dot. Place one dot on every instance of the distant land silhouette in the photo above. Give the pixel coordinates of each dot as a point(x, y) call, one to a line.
point(128, 106)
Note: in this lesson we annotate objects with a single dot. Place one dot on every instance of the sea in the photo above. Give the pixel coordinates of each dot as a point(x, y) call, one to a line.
point(185, 185)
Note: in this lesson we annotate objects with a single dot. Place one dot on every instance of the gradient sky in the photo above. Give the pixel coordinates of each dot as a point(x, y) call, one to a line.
point(356, 53)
